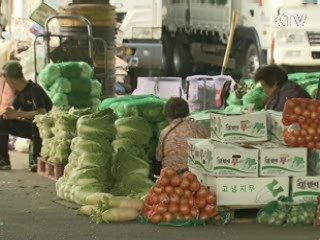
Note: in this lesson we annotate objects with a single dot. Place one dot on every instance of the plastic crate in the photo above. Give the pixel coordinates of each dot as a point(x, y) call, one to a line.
point(50, 170)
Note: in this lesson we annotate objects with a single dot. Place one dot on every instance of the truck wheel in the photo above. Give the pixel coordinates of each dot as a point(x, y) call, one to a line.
point(251, 61)
point(182, 60)
point(167, 55)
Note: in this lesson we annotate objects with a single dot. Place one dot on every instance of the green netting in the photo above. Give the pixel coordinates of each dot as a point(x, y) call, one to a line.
point(96, 88)
point(80, 85)
point(312, 90)
point(60, 85)
point(297, 76)
point(302, 213)
point(60, 100)
point(275, 212)
point(106, 103)
point(256, 96)
point(149, 108)
point(70, 69)
point(313, 75)
point(79, 100)
point(306, 82)
point(48, 75)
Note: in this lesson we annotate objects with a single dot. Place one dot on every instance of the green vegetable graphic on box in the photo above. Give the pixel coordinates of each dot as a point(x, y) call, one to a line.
point(298, 162)
point(258, 127)
point(250, 163)
point(271, 190)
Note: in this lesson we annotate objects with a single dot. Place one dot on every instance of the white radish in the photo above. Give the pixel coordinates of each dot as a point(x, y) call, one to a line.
point(119, 215)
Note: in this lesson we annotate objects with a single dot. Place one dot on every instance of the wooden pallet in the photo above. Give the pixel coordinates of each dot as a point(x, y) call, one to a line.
point(50, 170)
point(241, 214)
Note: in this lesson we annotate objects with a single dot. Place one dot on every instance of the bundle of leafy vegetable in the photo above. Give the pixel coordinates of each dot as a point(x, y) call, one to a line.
point(99, 125)
point(89, 165)
point(131, 157)
point(71, 84)
point(134, 128)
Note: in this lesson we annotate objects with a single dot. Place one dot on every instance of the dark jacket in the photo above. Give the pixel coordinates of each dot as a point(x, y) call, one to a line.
point(288, 90)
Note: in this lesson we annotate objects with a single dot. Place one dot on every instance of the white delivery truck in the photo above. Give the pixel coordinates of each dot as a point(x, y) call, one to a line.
point(193, 34)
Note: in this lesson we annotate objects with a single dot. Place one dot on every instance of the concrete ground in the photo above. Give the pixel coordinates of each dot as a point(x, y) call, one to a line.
point(28, 211)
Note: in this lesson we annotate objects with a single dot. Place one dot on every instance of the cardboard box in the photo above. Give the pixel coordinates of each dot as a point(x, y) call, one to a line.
point(227, 127)
point(202, 118)
point(227, 160)
point(193, 152)
point(280, 160)
point(305, 189)
point(314, 162)
point(247, 191)
point(275, 126)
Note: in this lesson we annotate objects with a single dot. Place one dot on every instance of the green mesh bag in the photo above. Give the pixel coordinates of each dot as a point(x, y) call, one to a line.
point(256, 96)
point(312, 90)
point(79, 100)
point(60, 100)
point(60, 85)
point(80, 85)
point(70, 69)
point(302, 213)
point(275, 212)
point(297, 76)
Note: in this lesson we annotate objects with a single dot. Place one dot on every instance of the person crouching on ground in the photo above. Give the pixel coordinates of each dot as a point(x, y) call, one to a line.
point(274, 81)
point(172, 147)
point(30, 100)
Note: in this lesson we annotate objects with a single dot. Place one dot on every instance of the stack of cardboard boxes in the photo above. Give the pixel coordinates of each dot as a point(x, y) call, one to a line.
point(246, 162)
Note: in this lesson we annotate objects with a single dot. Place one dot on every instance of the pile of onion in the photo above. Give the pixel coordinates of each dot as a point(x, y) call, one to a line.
point(302, 118)
point(181, 198)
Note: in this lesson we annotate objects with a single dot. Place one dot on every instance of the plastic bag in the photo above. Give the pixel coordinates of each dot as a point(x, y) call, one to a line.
point(275, 212)
point(302, 213)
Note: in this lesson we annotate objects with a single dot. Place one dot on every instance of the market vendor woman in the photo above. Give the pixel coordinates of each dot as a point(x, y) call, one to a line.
point(30, 100)
point(172, 147)
point(274, 81)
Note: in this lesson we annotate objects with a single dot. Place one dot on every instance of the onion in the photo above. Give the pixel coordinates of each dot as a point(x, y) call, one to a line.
point(154, 199)
point(164, 181)
point(194, 186)
point(184, 209)
point(194, 212)
point(161, 208)
point(189, 175)
point(169, 189)
point(204, 216)
point(155, 219)
point(175, 181)
point(179, 191)
point(201, 202)
point(185, 183)
point(167, 217)
point(173, 208)
point(158, 189)
point(211, 198)
point(174, 198)
point(168, 172)
point(187, 193)
point(163, 198)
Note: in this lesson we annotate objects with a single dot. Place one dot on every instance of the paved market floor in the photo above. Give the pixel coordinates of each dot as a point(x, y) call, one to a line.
point(28, 212)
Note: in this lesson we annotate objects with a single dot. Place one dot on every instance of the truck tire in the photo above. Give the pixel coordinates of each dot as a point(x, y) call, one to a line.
point(182, 60)
point(167, 55)
point(251, 61)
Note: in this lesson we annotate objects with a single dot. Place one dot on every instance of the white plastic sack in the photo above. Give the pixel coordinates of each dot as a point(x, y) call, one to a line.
point(162, 87)
point(204, 91)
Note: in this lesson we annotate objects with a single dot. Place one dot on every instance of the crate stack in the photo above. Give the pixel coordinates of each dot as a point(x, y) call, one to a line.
point(305, 187)
point(241, 163)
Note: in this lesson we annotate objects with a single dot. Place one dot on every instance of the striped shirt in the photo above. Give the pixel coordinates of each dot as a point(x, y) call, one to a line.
point(172, 147)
